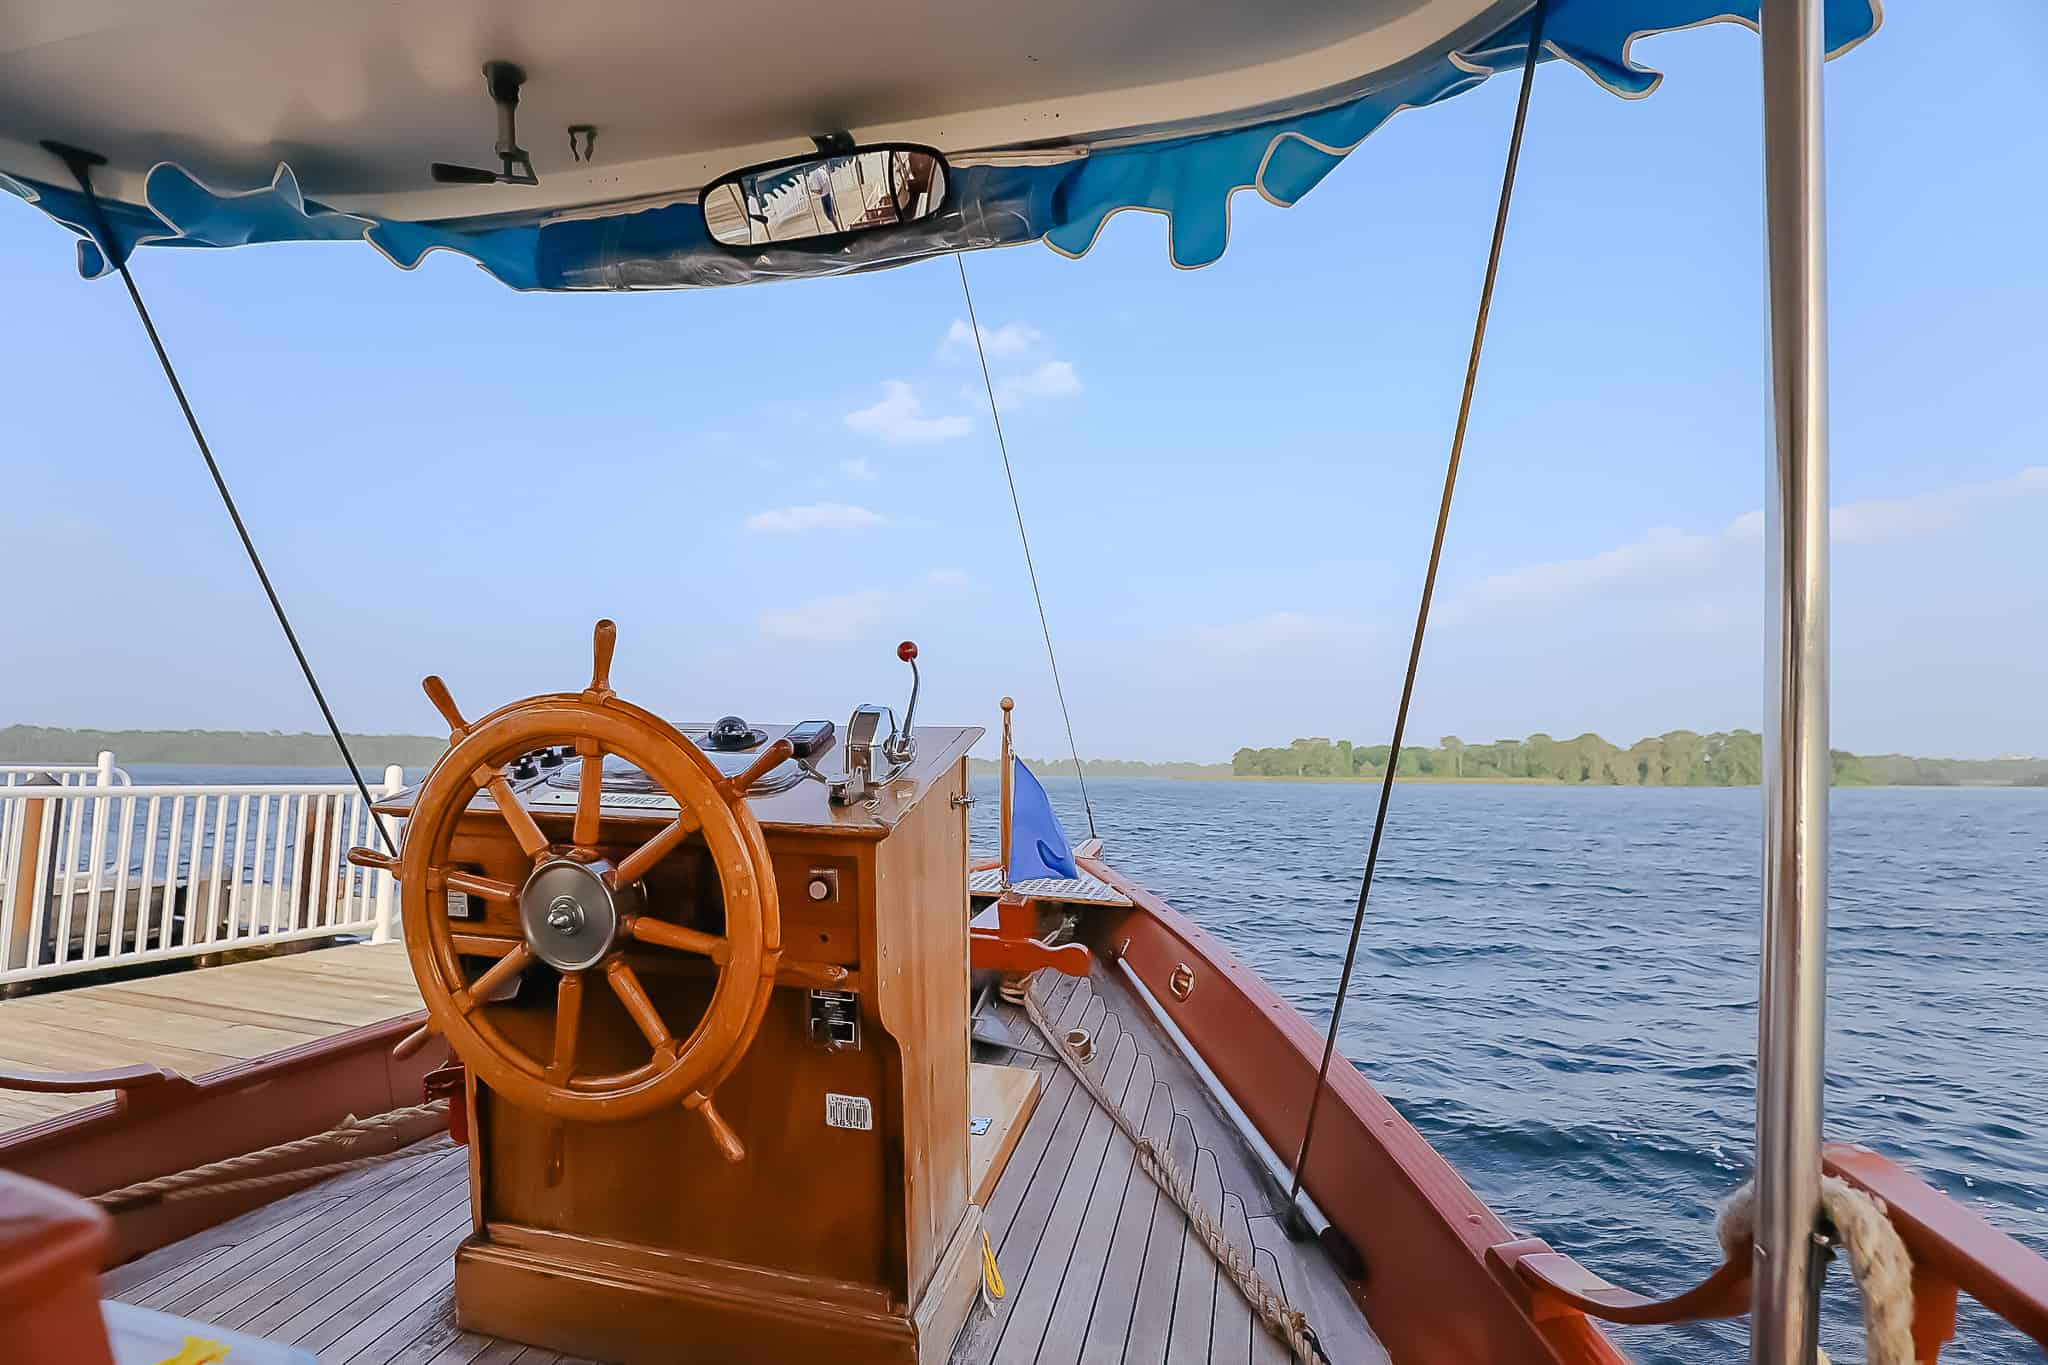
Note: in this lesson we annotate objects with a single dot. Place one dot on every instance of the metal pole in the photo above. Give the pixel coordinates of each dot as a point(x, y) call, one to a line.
point(1793, 988)
point(1008, 781)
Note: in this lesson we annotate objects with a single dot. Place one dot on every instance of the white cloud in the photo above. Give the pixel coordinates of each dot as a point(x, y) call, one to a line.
point(1020, 342)
point(857, 469)
point(900, 419)
point(837, 619)
point(1051, 379)
point(1011, 338)
point(1658, 558)
point(838, 516)
point(947, 578)
point(1666, 560)
point(1888, 519)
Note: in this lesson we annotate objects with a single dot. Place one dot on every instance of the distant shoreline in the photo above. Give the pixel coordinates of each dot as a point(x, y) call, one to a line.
point(1677, 759)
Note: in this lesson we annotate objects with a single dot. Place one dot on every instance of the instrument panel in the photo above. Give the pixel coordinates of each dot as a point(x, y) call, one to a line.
point(547, 779)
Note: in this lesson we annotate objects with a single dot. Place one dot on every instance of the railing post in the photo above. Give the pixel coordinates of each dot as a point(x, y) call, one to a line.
point(387, 885)
point(103, 764)
point(33, 840)
point(1792, 995)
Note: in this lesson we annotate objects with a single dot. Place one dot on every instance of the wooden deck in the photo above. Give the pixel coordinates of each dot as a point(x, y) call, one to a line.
point(197, 1022)
point(1099, 1265)
point(359, 1271)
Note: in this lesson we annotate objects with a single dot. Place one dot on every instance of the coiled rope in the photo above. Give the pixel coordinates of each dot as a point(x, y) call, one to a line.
point(225, 1175)
point(1877, 1257)
point(1285, 1322)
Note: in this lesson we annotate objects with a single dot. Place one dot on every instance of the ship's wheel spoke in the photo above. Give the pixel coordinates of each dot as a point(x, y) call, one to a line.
point(662, 934)
point(636, 864)
point(496, 975)
point(589, 793)
point(373, 859)
point(476, 884)
point(568, 1017)
point(531, 841)
point(634, 997)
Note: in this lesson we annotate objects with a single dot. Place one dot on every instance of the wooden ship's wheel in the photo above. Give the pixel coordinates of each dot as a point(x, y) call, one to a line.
point(580, 911)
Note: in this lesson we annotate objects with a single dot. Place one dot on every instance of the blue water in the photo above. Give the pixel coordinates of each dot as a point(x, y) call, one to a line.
point(1557, 986)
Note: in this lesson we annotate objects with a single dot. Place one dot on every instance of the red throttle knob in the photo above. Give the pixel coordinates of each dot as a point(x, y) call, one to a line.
point(907, 650)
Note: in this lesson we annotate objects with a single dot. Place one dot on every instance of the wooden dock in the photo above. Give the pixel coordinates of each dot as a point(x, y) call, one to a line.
point(198, 1021)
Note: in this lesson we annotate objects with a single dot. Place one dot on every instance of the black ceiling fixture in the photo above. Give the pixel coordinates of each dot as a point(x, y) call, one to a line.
point(503, 80)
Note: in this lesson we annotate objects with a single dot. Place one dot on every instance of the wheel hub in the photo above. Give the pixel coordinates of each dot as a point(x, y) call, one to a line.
point(570, 917)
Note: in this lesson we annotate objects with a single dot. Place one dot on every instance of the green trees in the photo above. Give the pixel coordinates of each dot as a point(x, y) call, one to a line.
point(1681, 758)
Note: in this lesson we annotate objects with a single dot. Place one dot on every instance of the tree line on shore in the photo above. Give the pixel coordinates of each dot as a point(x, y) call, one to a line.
point(1679, 758)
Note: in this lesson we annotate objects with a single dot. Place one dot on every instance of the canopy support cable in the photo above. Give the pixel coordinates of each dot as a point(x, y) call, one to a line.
point(81, 163)
point(1025, 540)
point(1436, 551)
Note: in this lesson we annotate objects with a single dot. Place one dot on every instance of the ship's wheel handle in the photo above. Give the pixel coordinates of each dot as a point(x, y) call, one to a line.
point(583, 914)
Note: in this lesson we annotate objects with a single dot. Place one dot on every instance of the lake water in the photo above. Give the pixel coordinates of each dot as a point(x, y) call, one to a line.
point(1557, 986)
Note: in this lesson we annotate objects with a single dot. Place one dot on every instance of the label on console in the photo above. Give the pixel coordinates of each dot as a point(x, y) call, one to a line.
point(849, 1111)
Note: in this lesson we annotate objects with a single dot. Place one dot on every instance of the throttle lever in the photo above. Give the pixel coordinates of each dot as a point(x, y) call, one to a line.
point(901, 746)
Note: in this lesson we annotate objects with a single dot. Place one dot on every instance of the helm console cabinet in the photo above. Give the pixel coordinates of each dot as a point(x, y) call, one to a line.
point(845, 1228)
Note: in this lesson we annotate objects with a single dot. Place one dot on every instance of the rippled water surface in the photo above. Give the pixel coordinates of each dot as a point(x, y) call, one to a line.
point(1557, 986)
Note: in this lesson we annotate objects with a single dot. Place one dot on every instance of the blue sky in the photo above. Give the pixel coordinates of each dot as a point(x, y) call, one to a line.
point(1228, 474)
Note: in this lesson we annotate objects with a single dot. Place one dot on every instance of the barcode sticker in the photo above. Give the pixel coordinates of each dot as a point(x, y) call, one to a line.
point(849, 1111)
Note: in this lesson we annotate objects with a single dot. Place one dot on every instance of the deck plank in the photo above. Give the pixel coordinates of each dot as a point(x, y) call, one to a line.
point(247, 1291)
point(1045, 1122)
point(198, 1022)
point(301, 1301)
point(1057, 1157)
point(1088, 1262)
point(1109, 1319)
point(1031, 1305)
point(145, 1273)
point(1159, 1276)
point(1194, 1302)
point(1230, 1334)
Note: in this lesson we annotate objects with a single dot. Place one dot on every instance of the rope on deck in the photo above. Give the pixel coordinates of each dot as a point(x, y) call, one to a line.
point(225, 1175)
point(1286, 1323)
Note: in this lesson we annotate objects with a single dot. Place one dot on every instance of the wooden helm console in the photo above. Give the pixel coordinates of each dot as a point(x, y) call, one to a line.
point(604, 965)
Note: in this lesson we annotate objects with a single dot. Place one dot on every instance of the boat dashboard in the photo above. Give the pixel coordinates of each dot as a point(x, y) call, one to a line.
point(803, 791)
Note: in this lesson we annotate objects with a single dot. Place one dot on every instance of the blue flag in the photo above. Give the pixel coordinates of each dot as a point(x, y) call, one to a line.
point(1038, 846)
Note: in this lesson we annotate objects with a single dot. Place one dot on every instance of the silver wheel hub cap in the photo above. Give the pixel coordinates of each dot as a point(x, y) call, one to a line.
point(570, 917)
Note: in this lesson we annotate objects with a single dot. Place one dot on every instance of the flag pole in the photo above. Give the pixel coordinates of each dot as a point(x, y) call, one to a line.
point(1009, 784)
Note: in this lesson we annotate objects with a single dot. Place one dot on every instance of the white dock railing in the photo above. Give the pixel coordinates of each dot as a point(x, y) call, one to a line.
point(97, 872)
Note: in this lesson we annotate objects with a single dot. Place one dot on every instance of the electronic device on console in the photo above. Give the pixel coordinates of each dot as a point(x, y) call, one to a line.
point(710, 996)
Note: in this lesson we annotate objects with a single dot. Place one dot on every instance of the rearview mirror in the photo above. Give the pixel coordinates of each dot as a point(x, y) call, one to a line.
point(811, 197)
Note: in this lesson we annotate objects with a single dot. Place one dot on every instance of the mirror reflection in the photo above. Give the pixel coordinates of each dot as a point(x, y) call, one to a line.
point(826, 196)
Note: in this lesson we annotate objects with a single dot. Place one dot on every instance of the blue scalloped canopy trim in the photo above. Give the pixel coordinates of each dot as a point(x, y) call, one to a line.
point(1190, 180)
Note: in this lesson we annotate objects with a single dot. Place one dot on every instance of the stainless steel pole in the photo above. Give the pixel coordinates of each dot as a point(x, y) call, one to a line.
point(1791, 1023)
